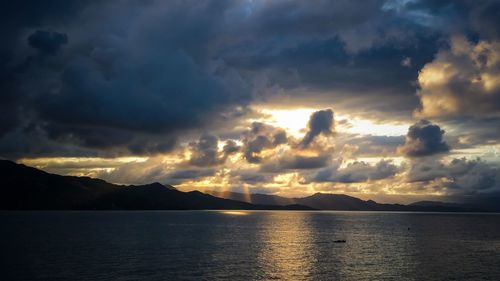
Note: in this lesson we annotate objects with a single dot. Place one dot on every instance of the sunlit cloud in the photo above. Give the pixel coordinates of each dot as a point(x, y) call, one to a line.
point(372, 127)
point(79, 166)
point(463, 80)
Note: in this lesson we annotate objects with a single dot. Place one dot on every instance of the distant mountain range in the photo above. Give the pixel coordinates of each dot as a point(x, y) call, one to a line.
point(327, 201)
point(27, 188)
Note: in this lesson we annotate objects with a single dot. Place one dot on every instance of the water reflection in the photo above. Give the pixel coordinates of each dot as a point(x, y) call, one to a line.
point(235, 213)
point(303, 246)
point(248, 245)
point(287, 251)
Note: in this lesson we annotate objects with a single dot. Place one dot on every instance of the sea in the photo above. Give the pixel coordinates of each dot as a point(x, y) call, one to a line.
point(248, 245)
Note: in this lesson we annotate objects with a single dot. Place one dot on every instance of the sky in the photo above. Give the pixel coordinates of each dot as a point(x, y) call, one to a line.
point(393, 100)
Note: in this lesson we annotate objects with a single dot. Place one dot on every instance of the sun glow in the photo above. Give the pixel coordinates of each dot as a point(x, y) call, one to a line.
point(370, 127)
point(79, 166)
point(45, 161)
point(294, 121)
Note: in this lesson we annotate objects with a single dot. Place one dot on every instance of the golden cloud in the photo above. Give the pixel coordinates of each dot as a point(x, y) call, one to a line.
point(463, 80)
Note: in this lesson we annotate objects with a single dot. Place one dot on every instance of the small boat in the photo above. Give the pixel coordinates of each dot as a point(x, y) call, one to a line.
point(339, 241)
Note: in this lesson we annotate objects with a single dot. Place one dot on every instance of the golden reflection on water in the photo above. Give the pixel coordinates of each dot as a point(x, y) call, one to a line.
point(234, 213)
point(301, 245)
point(286, 253)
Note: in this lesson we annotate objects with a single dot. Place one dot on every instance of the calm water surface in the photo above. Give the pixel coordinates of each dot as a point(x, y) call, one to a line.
point(260, 245)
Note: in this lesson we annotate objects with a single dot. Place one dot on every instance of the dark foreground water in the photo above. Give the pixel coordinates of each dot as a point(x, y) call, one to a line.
point(274, 245)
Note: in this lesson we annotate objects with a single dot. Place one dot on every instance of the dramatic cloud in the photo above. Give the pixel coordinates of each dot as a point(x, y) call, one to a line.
point(321, 122)
point(477, 17)
point(206, 152)
point(230, 147)
point(424, 139)
point(228, 94)
point(458, 176)
point(295, 162)
point(118, 84)
point(463, 81)
point(174, 66)
point(154, 169)
point(47, 42)
point(259, 138)
point(357, 171)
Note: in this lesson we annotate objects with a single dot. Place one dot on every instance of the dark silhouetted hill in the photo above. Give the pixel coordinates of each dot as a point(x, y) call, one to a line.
point(320, 201)
point(26, 188)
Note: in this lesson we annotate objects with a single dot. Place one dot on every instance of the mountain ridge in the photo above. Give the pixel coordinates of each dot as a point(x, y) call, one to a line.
point(28, 188)
point(343, 202)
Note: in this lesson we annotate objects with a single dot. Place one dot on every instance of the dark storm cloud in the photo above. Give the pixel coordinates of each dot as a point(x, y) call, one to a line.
point(137, 79)
point(327, 69)
point(66, 140)
point(327, 49)
point(47, 41)
point(424, 139)
point(314, 74)
point(16, 17)
point(20, 142)
point(485, 18)
point(464, 16)
point(152, 70)
point(320, 122)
